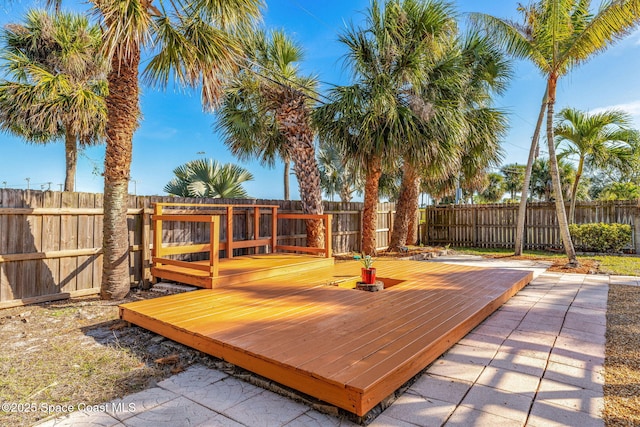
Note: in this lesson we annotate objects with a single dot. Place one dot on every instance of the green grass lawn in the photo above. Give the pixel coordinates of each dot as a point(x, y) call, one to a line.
point(609, 264)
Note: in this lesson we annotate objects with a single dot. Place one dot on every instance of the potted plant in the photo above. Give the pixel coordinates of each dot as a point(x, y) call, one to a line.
point(368, 272)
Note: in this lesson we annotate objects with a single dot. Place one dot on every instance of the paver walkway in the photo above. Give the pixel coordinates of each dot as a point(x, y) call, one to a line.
point(537, 361)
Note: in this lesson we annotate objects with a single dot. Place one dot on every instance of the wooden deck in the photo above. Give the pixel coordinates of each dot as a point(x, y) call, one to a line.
point(241, 269)
point(346, 347)
point(210, 273)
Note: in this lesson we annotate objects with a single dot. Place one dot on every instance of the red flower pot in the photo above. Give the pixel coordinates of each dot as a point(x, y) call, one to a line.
point(368, 275)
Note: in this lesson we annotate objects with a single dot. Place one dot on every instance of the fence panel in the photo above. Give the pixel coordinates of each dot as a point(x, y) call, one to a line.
point(51, 242)
point(494, 226)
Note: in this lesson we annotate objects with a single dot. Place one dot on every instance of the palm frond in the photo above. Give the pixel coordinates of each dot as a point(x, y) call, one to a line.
point(55, 78)
point(208, 178)
point(516, 39)
point(615, 20)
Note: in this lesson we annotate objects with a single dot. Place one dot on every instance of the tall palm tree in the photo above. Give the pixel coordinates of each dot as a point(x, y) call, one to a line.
point(267, 112)
point(193, 45)
point(597, 140)
point(556, 36)
point(57, 83)
point(247, 132)
point(373, 121)
point(208, 178)
point(469, 72)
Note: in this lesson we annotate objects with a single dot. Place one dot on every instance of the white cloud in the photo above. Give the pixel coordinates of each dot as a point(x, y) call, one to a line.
point(632, 108)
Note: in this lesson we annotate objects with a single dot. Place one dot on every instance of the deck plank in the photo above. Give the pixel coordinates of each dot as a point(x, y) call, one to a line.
point(346, 347)
point(242, 269)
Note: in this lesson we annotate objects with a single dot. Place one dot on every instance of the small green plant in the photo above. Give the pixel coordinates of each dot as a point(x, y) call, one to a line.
point(601, 237)
point(365, 260)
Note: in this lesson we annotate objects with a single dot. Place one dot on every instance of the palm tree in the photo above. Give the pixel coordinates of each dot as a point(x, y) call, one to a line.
point(463, 80)
point(267, 112)
point(337, 175)
point(193, 45)
point(247, 132)
point(494, 189)
point(542, 182)
point(596, 139)
point(57, 83)
point(208, 178)
point(513, 178)
point(379, 119)
point(556, 36)
point(620, 191)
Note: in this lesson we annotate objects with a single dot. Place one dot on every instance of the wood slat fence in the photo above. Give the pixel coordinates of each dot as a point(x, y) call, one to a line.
point(51, 242)
point(494, 226)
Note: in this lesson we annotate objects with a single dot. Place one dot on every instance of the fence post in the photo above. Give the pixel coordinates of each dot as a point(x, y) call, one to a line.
point(145, 273)
point(390, 231)
point(474, 232)
point(157, 234)
point(229, 231)
point(214, 245)
point(274, 229)
point(256, 223)
point(426, 241)
point(327, 236)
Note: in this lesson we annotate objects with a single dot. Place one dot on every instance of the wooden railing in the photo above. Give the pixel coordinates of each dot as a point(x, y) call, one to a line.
point(326, 220)
point(211, 214)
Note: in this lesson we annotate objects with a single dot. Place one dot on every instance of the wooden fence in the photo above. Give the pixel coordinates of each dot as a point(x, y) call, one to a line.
point(494, 226)
point(51, 242)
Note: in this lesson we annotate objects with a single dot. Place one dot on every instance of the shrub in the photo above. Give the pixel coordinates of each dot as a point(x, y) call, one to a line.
point(600, 237)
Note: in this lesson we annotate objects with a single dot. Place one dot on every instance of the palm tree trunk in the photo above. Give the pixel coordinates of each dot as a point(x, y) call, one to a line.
point(345, 193)
point(294, 122)
point(522, 209)
point(412, 232)
point(405, 208)
point(370, 209)
point(555, 177)
point(287, 165)
point(123, 113)
point(71, 154)
point(574, 191)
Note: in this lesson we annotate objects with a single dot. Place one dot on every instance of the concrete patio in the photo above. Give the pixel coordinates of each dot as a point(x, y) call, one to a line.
point(537, 361)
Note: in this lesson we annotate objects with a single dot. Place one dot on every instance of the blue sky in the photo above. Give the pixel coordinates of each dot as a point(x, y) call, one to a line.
point(174, 129)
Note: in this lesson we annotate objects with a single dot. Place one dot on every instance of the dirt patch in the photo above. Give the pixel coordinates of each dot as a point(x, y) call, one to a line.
point(622, 364)
point(77, 351)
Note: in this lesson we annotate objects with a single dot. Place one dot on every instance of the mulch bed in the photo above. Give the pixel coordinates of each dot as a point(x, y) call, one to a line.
point(622, 365)
point(559, 264)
